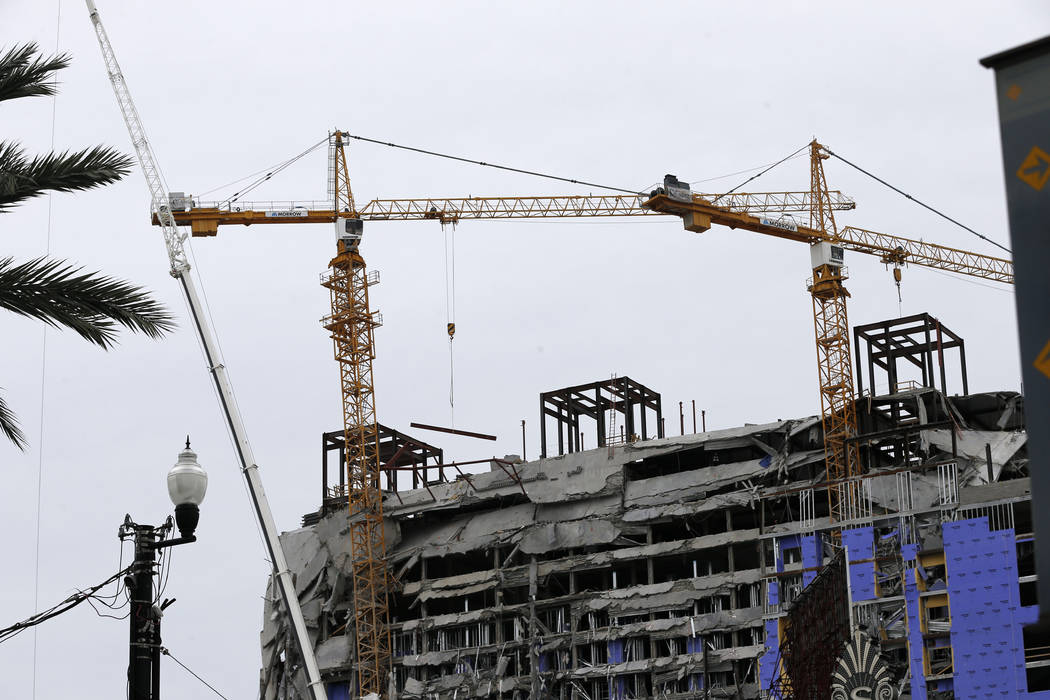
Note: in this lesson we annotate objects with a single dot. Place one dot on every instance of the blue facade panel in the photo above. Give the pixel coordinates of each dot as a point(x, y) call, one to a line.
point(767, 663)
point(338, 691)
point(812, 557)
point(617, 685)
point(860, 543)
point(987, 618)
point(695, 645)
point(915, 664)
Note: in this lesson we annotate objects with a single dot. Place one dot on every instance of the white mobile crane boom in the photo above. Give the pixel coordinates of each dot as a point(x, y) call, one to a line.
point(180, 270)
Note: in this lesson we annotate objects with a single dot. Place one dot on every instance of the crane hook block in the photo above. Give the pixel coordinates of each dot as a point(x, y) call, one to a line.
point(451, 330)
point(897, 275)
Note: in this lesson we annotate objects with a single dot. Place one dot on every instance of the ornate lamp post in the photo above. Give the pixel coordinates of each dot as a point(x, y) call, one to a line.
point(187, 484)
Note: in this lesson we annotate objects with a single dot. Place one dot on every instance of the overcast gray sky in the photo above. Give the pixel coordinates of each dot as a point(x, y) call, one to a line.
point(611, 92)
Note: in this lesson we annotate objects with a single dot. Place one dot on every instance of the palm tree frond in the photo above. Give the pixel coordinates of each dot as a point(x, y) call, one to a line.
point(9, 426)
point(90, 304)
point(22, 179)
point(26, 73)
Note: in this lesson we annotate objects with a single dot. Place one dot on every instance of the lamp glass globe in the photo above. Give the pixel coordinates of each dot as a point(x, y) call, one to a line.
point(187, 480)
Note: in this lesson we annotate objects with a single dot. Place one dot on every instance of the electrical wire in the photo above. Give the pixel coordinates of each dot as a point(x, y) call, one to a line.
point(491, 165)
point(165, 573)
point(167, 652)
point(755, 177)
point(43, 375)
point(66, 605)
point(102, 614)
point(921, 204)
point(110, 601)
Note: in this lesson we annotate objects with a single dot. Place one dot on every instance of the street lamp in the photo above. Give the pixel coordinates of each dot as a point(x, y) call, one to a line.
point(187, 484)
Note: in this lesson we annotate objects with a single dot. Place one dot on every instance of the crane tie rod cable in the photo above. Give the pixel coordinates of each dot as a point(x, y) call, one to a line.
point(921, 204)
point(758, 175)
point(276, 169)
point(491, 165)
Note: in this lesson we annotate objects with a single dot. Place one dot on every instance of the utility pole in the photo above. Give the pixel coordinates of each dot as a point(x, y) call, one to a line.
point(143, 674)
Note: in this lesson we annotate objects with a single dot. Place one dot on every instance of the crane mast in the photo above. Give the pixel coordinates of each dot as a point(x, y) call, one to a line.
point(352, 325)
point(180, 270)
point(834, 367)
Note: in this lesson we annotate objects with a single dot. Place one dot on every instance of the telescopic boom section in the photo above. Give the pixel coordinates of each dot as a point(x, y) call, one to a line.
point(180, 270)
point(352, 326)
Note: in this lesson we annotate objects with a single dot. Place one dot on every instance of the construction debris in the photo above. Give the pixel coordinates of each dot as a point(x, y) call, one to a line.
point(662, 567)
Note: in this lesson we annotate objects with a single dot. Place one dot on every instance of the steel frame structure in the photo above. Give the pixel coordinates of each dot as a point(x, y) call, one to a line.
point(916, 339)
point(817, 627)
point(397, 451)
point(620, 395)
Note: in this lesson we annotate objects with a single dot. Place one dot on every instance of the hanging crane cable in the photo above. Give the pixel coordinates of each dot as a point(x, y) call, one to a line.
point(450, 314)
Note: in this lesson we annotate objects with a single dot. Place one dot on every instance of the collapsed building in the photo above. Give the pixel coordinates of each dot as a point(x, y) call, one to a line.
point(698, 565)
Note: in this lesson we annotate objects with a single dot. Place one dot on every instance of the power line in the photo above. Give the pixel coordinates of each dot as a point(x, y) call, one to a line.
point(43, 372)
point(921, 204)
point(491, 165)
point(91, 602)
point(165, 574)
point(166, 652)
point(56, 610)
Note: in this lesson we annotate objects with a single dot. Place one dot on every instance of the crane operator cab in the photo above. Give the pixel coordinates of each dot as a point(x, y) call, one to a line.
point(348, 233)
point(674, 189)
point(824, 253)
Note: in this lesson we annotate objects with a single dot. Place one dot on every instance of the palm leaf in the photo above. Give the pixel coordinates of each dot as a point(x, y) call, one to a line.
point(22, 179)
point(25, 73)
point(92, 305)
point(9, 426)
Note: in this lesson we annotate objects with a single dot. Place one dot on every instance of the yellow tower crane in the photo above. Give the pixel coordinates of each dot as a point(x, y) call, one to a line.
point(352, 324)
